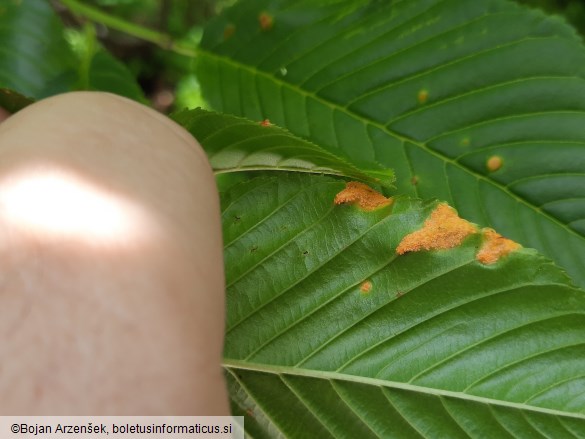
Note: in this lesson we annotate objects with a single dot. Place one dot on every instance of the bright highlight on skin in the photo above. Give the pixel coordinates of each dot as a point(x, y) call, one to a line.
point(53, 203)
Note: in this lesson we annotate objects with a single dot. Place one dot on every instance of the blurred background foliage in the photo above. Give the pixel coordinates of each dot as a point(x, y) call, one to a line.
point(166, 77)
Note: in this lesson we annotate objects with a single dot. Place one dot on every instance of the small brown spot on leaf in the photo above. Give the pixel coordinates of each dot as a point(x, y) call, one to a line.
point(266, 21)
point(366, 287)
point(366, 197)
point(442, 230)
point(228, 31)
point(399, 294)
point(414, 180)
point(494, 163)
point(465, 141)
point(265, 123)
point(423, 96)
point(494, 246)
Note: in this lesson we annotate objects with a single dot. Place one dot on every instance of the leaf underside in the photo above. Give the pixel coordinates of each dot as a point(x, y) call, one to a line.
point(430, 88)
point(280, 403)
point(234, 144)
point(483, 350)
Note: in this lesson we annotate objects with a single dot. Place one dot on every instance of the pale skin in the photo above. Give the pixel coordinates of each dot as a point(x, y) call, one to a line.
point(111, 266)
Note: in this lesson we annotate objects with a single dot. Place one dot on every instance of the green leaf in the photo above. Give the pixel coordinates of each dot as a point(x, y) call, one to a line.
point(106, 73)
point(12, 101)
point(36, 61)
point(439, 345)
point(431, 88)
point(234, 144)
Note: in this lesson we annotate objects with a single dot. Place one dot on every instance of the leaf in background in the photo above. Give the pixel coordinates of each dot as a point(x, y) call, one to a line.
point(234, 144)
point(106, 73)
point(433, 89)
point(36, 60)
point(330, 332)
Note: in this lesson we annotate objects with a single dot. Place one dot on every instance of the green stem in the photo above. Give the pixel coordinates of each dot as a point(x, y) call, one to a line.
point(89, 49)
point(160, 39)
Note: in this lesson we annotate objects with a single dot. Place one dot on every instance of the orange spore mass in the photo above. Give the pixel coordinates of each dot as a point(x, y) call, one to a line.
point(266, 21)
point(494, 247)
point(442, 230)
point(365, 197)
point(494, 163)
point(366, 287)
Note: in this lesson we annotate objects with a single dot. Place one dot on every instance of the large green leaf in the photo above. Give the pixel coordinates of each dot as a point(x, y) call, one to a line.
point(36, 61)
point(430, 88)
point(436, 345)
point(234, 144)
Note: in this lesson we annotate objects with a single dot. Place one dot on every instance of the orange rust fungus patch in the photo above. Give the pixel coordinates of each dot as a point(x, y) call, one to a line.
point(366, 287)
point(265, 123)
point(494, 163)
point(494, 247)
point(266, 21)
point(228, 31)
point(442, 230)
point(366, 197)
point(423, 96)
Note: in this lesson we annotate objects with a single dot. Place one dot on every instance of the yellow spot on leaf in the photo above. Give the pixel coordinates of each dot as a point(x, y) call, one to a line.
point(442, 230)
point(422, 96)
point(266, 21)
point(494, 163)
point(366, 197)
point(465, 141)
point(494, 247)
point(366, 287)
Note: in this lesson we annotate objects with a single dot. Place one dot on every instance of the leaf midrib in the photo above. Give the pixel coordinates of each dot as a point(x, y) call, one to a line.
point(423, 146)
point(336, 376)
